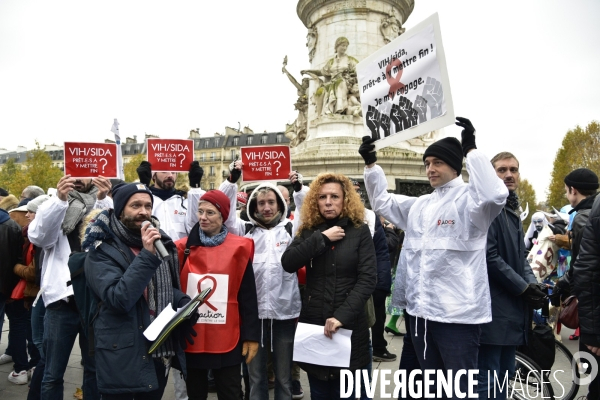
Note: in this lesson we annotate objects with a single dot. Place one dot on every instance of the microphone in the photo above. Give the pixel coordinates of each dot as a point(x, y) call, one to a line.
point(158, 245)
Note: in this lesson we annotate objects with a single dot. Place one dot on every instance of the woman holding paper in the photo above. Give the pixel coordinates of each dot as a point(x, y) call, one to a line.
point(228, 328)
point(337, 249)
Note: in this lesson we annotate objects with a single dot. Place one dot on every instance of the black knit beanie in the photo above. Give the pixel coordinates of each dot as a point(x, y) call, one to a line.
point(582, 178)
point(448, 150)
point(123, 191)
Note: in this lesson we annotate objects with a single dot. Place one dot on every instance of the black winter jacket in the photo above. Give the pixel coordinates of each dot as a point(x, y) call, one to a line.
point(118, 279)
point(340, 277)
point(384, 265)
point(586, 278)
point(509, 274)
point(11, 253)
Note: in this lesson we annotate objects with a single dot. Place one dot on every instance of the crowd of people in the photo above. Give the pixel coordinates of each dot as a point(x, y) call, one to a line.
point(101, 259)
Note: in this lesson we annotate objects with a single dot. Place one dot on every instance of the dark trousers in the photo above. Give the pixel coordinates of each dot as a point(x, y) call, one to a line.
point(449, 347)
point(408, 360)
point(227, 379)
point(379, 343)
point(153, 395)
point(594, 386)
point(19, 335)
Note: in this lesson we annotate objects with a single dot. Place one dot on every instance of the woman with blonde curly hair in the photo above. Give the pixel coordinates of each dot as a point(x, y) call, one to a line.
point(337, 248)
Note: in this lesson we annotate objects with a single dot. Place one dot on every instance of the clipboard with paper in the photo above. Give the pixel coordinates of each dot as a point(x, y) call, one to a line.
point(160, 329)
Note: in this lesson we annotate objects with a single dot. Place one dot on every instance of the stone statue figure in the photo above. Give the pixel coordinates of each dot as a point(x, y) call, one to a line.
point(311, 42)
point(354, 107)
point(296, 131)
point(391, 28)
point(338, 74)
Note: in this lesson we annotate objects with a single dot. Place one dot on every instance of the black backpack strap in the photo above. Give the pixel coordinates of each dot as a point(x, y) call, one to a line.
point(288, 228)
point(186, 252)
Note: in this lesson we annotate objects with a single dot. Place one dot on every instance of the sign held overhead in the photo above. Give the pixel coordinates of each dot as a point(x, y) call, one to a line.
point(90, 160)
point(266, 163)
point(170, 155)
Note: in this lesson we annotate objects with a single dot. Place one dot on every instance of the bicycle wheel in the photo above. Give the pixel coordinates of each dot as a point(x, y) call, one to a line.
point(528, 382)
point(563, 375)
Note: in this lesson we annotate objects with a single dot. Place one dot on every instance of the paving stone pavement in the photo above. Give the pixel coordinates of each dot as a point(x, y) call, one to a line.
point(73, 375)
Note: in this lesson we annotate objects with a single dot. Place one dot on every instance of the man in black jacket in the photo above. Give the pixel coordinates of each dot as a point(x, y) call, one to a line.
point(512, 287)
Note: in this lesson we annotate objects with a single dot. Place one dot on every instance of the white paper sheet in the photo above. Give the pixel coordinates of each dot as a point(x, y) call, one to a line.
point(312, 346)
point(160, 322)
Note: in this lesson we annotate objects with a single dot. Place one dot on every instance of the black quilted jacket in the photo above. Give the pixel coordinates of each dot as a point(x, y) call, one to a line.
point(586, 278)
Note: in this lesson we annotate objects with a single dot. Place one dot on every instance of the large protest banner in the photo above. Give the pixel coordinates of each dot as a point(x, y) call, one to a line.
point(89, 160)
point(170, 155)
point(405, 90)
point(266, 163)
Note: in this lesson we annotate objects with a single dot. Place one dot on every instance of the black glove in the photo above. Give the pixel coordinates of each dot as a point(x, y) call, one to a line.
point(187, 332)
point(534, 296)
point(366, 150)
point(234, 173)
point(195, 174)
point(467, 135)
point(298, 184)
point(144, 172)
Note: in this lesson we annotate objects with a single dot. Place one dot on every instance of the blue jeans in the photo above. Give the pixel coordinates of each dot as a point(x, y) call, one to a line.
point(61, 327)
point(282, 333)
point(19, 333)
point(449, 347)
point(499, 359)
point(37, 325)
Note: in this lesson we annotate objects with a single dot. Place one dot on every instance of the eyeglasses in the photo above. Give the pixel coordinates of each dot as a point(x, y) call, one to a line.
point(209, 213)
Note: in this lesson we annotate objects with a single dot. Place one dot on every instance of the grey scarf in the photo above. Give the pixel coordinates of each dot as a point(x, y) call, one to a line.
point(79, 205)
point(160, 287)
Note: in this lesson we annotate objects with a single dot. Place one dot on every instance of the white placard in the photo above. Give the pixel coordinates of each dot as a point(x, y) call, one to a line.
point(405, 90)
point(312, 346)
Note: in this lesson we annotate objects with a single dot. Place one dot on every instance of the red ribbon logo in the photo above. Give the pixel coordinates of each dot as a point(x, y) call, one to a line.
point(394, 82)
point(214, 288)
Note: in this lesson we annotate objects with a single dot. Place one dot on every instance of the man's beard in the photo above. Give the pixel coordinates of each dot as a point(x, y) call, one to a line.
point(166, 184)
point(85, 188)
point(130, 223)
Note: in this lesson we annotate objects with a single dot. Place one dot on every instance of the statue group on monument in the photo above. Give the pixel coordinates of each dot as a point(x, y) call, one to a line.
point(336, 91)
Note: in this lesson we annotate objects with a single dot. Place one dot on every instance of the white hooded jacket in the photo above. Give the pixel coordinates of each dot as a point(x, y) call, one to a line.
point(277, 290)
point(442, 272)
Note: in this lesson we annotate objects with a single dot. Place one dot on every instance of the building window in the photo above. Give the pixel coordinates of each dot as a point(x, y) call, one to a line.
point(202, 157)
point(263, 139)
point(212, 156)
point(206, 143)
point(279, 137)
point(236, 141)
point(233, 154)
point(212, 170)
point(249, 139)
point(212, 186)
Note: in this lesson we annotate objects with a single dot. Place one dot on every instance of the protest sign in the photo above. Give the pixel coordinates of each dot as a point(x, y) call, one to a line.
point(266, 163)
point(89, 160)
point(170, 155)
point(405, 91)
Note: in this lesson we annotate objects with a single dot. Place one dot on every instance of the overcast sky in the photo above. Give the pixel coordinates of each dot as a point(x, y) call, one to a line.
point(524, 71)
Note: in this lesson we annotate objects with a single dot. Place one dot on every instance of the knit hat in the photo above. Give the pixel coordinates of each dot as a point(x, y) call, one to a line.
point(219, 200)
point(33, 205)
point(3, 192)
point(123, 191)
point(582, 178)
point(448, 150)
point(242, 197)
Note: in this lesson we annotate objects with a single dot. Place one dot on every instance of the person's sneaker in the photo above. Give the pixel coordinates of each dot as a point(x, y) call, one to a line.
point(5, 359)
point(18, 378)
point(384, 357)
point(297, 392)
point(393, 332)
